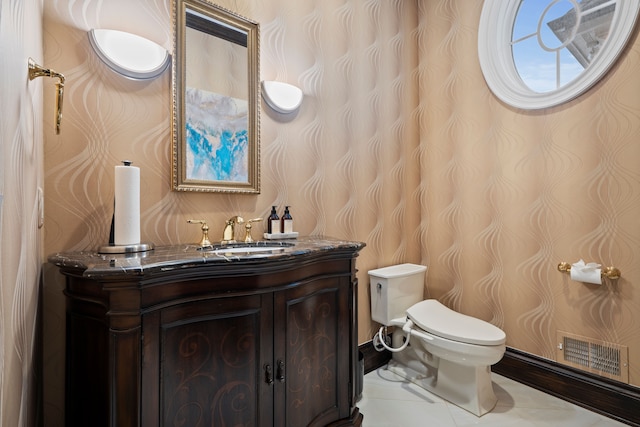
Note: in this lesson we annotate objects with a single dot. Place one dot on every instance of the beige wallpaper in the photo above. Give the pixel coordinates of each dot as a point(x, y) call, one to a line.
point(509, 194)
point(398, 143)
point(21, 176)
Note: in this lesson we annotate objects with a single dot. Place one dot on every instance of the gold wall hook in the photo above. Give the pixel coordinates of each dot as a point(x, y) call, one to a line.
point(36, 70)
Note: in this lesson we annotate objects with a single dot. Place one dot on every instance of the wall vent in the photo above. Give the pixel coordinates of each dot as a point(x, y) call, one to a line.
point(595, 356)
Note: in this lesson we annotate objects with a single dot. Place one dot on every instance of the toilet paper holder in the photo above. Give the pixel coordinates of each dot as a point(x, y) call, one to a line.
point(608, 272)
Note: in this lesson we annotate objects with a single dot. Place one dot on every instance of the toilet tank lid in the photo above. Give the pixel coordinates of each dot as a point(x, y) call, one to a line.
point(399, 270)
point(432, 316)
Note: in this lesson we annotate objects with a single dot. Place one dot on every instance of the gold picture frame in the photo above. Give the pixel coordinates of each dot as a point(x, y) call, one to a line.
point(216, 93)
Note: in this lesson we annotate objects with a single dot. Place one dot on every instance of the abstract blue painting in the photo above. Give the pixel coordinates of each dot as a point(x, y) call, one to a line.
point(217, 146)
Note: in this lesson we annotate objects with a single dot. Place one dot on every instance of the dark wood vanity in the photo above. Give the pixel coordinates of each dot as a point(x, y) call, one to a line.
point(179, 336)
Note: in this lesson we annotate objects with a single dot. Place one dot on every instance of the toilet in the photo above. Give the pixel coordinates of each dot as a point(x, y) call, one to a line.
point(443, 351)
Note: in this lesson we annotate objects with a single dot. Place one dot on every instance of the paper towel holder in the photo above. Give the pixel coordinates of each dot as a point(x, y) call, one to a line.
point(608, 272)
point(128, 248)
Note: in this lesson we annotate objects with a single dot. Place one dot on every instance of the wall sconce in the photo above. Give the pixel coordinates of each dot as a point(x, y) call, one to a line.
point(282, 97)
point(128, 54)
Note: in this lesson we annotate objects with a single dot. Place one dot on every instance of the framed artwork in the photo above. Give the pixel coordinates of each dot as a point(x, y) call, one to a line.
point(216, 93)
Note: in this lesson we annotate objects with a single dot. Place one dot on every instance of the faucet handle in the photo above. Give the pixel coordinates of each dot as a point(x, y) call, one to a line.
point(205, 231)
point(235, 220)
point(247, 227)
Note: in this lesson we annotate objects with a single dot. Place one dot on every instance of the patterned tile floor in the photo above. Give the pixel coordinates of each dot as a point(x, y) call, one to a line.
point(390, 401)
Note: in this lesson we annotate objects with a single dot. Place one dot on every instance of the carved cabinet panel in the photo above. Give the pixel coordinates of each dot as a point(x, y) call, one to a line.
point(204, 360)
point(255, 342)
point(261, 360)
point(312, 343)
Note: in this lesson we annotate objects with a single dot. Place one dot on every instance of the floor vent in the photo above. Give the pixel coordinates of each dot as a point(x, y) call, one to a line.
point(598, 357)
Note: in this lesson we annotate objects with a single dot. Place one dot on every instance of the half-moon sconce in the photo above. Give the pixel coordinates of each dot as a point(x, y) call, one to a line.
point(282, 97)
point(132, 56)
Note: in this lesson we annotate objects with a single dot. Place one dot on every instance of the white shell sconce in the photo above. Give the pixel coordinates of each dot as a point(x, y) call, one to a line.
point(282, 97)
point(128, 54)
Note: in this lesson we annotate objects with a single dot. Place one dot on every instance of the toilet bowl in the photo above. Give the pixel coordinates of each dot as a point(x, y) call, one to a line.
point(445, 352)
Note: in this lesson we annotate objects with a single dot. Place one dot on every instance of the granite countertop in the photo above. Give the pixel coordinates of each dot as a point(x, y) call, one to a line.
point(177, 257)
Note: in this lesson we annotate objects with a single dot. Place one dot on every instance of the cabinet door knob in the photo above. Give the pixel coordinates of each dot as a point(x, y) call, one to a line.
point(268, 375)
point(280, 371)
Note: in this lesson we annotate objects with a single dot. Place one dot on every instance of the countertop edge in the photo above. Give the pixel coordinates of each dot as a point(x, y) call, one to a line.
point(171, 258)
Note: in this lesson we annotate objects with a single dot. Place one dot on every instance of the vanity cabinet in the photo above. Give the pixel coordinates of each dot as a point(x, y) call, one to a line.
point(250, 341)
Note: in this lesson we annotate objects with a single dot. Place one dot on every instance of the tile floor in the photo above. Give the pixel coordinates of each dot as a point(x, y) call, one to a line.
point(390, 401)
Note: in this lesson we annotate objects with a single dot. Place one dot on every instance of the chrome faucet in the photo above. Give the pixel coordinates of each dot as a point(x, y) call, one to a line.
point(229, 233)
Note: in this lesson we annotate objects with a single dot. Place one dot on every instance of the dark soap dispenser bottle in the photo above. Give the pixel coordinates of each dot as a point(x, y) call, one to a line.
point(273, 223)
point(287, 221)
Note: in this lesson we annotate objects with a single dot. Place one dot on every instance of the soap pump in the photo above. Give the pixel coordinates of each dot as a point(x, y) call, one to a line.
point(287, 221)
point(273, 222)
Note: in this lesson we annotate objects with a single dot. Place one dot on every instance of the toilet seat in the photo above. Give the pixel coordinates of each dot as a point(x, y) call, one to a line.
point(431, 316)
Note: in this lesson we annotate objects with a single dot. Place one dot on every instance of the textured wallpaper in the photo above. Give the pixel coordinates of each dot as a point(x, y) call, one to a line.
point(21, 177)
point(508, 194)
point(398, 143)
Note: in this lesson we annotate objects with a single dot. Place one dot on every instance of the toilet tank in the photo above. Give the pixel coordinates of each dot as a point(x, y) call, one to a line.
point(394, 289)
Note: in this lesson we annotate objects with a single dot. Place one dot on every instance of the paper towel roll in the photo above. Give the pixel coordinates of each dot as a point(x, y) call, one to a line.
point(587, 273)
point(126, 218)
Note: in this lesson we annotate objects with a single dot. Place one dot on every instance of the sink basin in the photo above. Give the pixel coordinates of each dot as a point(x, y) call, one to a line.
point(257, 248)
point(248, 250)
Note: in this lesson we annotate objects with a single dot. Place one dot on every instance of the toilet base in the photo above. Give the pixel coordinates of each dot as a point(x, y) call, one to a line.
point(468, 387)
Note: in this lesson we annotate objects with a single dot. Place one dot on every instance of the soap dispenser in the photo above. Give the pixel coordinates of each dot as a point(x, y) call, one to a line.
point(287, 221)
point(273, 222)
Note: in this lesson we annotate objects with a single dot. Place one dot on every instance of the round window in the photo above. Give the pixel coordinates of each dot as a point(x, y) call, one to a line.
point(537, 54)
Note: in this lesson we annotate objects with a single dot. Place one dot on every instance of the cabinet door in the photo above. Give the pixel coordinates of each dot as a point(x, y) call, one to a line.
point(312, 353)
point(206, 360)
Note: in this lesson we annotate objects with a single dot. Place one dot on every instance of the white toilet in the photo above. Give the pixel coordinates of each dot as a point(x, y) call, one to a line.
point(447, 353)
